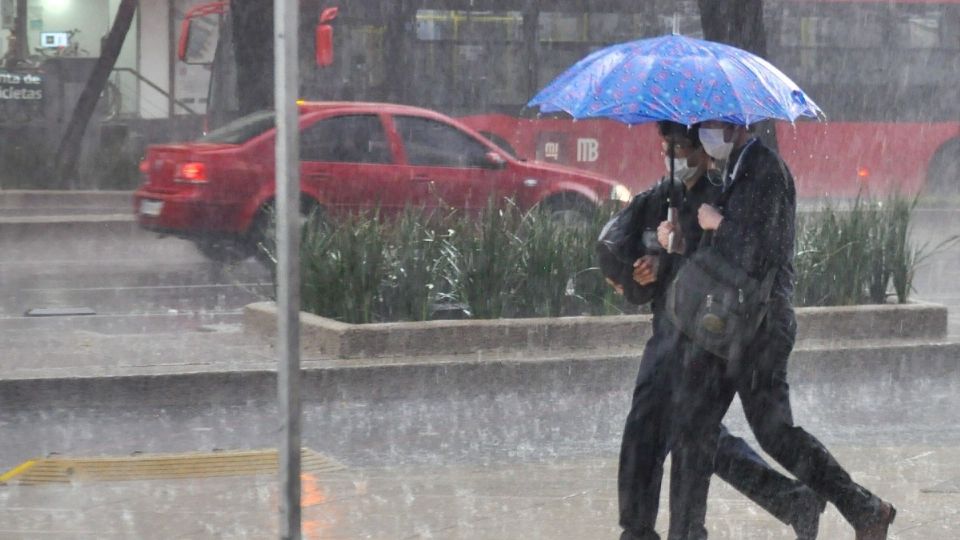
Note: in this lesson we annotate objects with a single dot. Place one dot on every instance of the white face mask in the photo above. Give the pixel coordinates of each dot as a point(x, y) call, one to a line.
point(681, 168)
point(713, 144)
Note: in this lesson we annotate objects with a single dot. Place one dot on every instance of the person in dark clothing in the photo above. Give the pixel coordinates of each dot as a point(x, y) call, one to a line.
point(647, 430)
point(755, 229)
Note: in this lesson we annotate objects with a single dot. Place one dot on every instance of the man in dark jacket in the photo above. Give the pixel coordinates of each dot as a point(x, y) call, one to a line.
point(647, 430)
point(755, 229)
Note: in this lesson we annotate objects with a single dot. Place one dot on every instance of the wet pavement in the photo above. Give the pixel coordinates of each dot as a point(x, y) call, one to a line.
point(163, 309)
point(567, 500)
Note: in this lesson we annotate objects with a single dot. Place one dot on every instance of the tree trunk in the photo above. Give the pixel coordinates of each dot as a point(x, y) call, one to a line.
point(68, 155)
point(739, 23)
point(18, 51)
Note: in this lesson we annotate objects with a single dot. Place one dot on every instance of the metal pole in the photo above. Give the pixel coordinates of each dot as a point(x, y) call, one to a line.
point(171, 58)
point(288, 255)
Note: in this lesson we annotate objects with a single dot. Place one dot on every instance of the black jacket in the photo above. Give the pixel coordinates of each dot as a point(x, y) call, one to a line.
point(759, 217)
point(650, 210)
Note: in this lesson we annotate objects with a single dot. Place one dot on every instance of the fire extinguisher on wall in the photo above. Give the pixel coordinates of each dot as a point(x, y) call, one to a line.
point(324, 37)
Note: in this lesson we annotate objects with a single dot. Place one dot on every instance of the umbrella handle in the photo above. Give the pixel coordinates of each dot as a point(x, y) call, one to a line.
point(670, 216)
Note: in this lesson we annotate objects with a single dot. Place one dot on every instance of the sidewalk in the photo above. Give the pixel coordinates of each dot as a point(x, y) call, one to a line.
point(566, 500)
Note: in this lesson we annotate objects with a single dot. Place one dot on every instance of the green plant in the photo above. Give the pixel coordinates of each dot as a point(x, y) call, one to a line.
point(548, 262)
point(414, 282)
point(482, 257)
point(343, 267)
point(854, 255)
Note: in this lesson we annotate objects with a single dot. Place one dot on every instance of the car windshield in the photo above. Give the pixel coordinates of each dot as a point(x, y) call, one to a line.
point(242, 129)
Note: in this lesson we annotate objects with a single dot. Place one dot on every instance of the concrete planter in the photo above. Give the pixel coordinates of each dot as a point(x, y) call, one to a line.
point(506, 338)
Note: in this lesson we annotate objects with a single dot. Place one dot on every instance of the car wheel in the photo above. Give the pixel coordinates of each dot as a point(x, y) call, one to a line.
point(261, 239)
point(571, 210)
point(943, 176)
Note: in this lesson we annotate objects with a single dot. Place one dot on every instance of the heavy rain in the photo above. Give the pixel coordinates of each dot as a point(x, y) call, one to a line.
point(466, 360)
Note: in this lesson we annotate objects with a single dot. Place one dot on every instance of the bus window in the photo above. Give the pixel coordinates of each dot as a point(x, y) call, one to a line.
point(453, 52)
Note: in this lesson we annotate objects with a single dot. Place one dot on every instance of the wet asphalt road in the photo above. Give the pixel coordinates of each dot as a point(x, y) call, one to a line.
point(135, 282)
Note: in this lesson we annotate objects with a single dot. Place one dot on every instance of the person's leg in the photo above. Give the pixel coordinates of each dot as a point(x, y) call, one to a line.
point(786, 499)
point(765, 394)
point(644, 445)
point(701, 397)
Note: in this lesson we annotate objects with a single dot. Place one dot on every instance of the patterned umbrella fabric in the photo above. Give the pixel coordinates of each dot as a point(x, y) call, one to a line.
point(675, 78)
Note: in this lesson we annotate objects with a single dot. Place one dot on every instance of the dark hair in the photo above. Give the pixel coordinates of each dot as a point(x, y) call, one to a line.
point(673, 129)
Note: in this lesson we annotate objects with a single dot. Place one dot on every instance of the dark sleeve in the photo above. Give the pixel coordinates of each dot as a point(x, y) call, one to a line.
point(648, 212)
point(752, 212)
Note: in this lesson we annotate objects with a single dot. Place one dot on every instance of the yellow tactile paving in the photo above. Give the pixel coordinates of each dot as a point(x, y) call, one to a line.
point(64, 469)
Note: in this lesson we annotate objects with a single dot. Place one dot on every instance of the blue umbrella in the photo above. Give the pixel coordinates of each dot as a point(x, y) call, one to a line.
point(675, 78)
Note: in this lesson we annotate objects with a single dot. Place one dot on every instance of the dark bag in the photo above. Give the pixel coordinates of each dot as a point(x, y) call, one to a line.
point(716, 304)
point(621, 243)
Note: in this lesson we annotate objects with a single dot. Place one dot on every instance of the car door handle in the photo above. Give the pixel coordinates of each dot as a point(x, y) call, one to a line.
point(422, 178)
point(318, 176)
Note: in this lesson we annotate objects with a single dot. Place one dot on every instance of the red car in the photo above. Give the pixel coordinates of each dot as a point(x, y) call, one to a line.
point(354, 156)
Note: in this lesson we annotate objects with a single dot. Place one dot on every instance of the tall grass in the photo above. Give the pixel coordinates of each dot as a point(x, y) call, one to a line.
point(343, 268)
point(506, 263)
point(415, 282)
point(859, 254)
point(482, 260)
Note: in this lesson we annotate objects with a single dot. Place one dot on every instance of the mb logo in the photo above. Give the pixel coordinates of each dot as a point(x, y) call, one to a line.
point(587, 150)
point(552, 150)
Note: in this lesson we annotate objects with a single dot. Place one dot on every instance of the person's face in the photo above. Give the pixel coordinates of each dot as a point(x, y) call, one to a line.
point(683, 148)
point(728, 128)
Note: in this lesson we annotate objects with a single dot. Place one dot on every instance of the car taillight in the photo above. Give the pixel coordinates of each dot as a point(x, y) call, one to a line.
point(192, 173)
point(144, 166)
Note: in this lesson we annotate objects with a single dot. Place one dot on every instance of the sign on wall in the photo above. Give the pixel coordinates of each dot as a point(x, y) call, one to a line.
point(21, 97)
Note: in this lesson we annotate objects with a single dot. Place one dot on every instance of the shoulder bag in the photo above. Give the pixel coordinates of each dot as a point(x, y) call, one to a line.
point(715, 303)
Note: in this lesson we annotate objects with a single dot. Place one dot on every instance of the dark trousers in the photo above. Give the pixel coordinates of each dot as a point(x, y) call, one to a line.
point(646, 441)
point(703, 389)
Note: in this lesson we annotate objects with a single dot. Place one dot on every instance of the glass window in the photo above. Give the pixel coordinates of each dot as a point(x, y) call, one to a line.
point(439, 24)
point(614, 27)
point(555, 26)
point(920, 27)
point(833, 25)
point(435, 144)
point(346, 139)
point(242, 129)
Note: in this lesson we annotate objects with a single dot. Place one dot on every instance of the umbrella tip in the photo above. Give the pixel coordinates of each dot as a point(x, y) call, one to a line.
point(676, 24)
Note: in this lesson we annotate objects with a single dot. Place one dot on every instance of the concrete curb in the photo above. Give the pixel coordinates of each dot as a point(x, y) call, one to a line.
point(516, 336)
point(524, 407)
point(43, 228)
point(22, 211)
point(23, 198)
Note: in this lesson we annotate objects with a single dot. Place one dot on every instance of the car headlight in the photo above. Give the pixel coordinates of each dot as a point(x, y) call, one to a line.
point(620, 193)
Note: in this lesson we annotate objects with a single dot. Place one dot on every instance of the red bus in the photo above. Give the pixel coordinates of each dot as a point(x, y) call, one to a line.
point(886, 72)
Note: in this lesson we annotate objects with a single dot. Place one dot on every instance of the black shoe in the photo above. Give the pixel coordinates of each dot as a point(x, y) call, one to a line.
point(879, 525)
point(650, 535)
point(806, 517)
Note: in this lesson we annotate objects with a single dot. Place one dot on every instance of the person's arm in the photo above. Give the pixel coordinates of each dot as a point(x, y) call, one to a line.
point(750, 214)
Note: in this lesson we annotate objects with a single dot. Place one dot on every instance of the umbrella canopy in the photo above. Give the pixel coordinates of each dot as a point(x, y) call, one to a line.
point(675, 78)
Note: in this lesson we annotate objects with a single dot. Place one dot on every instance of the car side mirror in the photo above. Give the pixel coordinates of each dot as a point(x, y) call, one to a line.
point(199, 32)
point(493, 160)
